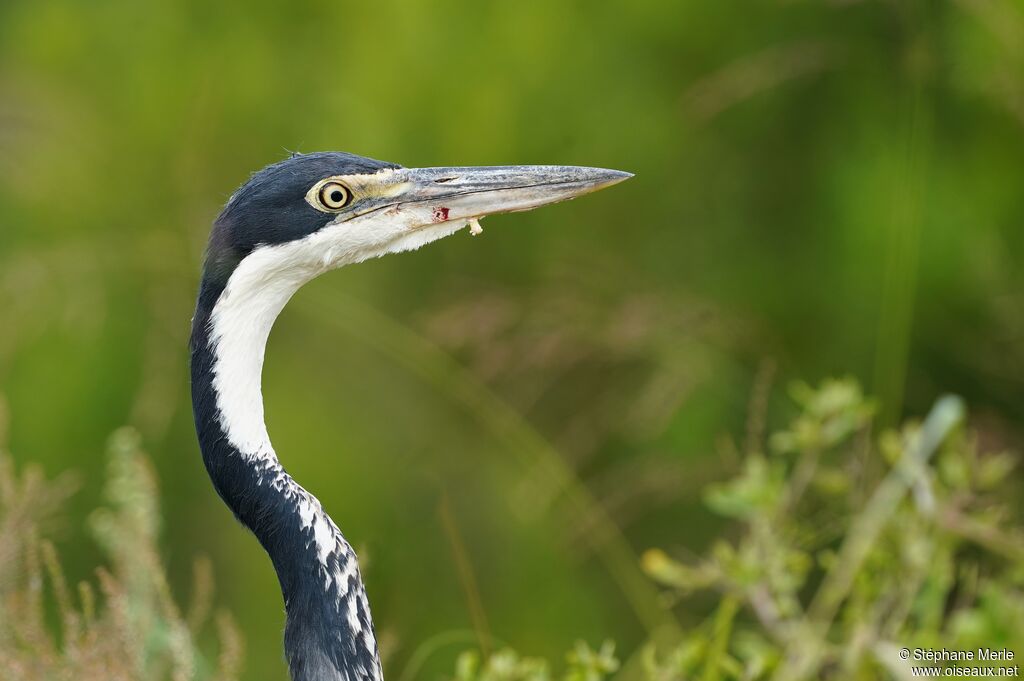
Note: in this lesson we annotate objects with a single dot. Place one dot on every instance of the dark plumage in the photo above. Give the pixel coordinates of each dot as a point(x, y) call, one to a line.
point(270, 207)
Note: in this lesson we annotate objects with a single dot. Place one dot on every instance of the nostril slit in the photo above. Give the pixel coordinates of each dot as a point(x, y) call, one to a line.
point(442, 180)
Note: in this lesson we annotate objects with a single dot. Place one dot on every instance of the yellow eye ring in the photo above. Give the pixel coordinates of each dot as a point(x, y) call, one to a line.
point(333, 196)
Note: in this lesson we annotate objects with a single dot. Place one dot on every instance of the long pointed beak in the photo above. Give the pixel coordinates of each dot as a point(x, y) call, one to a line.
point(462, 194)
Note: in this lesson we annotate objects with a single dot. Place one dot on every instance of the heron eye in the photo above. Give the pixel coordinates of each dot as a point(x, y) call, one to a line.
point(334, 196)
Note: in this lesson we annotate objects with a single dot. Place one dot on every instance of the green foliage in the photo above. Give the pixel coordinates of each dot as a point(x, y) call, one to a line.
point(848, 547)
point(582, 664)
point(132, 629)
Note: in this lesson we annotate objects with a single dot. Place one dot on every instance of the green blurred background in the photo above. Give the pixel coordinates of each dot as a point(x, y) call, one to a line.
point(821, 188)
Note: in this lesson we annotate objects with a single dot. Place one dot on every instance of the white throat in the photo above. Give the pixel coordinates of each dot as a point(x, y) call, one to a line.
point(257, 291)
point(239, 328)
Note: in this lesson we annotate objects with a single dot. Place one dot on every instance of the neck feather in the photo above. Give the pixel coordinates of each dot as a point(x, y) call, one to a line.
point(329, 633)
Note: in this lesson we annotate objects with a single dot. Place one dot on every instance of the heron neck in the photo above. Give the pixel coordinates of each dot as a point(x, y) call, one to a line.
point(329, 632)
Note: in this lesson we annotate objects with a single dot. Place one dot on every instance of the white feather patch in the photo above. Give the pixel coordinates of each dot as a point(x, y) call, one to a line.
point(258, 290)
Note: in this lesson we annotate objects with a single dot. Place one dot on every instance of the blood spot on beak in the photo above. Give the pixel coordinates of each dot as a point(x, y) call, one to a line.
point(440, 214)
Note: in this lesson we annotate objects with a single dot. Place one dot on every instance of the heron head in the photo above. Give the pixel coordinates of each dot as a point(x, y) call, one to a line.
point(315, 212)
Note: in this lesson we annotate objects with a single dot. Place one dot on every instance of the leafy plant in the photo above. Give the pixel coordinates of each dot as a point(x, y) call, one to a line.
point(848, 547)
point(582, 664)
point(851, 547)
point(125, 626)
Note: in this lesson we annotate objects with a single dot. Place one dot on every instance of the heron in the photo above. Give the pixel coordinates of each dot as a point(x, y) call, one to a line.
point(290, 222)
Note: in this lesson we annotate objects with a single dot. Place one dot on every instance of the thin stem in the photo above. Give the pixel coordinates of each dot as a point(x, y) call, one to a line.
point(466, 575)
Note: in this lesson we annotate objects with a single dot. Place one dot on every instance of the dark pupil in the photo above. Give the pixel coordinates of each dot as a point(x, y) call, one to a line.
point(337, 196)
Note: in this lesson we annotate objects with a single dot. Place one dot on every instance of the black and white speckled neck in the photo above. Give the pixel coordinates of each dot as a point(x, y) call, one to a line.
point(329, 633)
